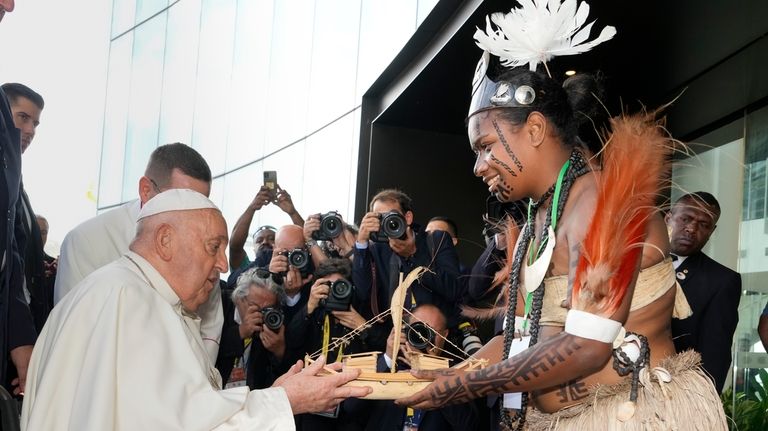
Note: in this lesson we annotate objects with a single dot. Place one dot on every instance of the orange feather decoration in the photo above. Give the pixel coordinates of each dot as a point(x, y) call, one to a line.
point(635, 164)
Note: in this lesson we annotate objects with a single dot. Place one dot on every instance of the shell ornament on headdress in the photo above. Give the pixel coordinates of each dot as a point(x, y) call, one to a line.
point(533, 33)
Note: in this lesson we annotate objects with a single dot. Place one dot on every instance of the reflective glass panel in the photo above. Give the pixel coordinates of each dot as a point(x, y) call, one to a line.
point(250, 80)
point(115, 121)
point(335, 42)
point(147, 8)
point(123, 13)
point(144, 104)
point(290, 64)
point(384, 28)
point(179, 73)
point(214, 68)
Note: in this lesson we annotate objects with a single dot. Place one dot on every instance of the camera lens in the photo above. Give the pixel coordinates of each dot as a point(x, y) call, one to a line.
point(341, 289)
point(298, 258)
point(330, 225)
point(420, 336)
point(393, 225)
point(273, 318)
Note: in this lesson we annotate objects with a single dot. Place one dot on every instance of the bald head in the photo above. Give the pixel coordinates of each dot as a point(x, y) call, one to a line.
point(289, 237)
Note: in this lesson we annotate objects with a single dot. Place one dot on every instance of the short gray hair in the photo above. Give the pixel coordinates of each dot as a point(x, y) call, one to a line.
point(250, 278)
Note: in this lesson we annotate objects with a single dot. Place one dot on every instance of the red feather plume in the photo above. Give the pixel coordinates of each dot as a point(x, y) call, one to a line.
point(635, 164)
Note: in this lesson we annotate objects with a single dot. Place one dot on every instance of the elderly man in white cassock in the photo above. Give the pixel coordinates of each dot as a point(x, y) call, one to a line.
point(123, 351)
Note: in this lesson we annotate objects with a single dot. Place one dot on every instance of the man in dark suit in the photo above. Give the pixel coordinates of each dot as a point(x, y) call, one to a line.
point(377, 265)
point(713, 290)
point(17, 331)
point(27, 106)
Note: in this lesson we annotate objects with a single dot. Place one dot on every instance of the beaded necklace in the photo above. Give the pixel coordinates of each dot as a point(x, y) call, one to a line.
point(573, 168)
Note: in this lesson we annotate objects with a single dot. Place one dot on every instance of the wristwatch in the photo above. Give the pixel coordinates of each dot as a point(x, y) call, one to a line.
point(311, 243)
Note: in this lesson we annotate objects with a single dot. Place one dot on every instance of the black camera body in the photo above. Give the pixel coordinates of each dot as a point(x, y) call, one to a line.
point(273, 318)
point(340, 295)
point(392, 225)
point(297, 258)
point(331, 226)
point(420, 336)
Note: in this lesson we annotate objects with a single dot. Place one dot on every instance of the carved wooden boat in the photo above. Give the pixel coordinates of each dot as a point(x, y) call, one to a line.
point(392, 385)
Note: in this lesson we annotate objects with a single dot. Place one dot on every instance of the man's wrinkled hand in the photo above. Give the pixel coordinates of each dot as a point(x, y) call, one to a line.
point(311, 391)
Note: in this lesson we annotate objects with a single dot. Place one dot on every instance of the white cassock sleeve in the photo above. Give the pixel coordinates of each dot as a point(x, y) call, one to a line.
point(68, 272)
point(118, 358)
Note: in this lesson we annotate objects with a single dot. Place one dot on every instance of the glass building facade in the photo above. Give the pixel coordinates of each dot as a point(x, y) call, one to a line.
point(253, 85)
point(732, 166)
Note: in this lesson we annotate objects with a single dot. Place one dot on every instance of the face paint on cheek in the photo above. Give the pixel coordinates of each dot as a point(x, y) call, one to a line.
point(509, 151)
point(503, 165)
point(503, 194)
point(504, 190)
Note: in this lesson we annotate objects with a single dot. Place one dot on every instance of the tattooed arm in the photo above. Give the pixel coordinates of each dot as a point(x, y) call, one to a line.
point(555, 361)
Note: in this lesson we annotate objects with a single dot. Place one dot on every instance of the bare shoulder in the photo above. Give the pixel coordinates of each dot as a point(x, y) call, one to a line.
point(579, 208)
point(656, 245)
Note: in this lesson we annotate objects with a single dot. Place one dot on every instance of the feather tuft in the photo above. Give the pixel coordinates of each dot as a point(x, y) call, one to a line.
point(539, 30)
point(635, 163)
point(476, 313)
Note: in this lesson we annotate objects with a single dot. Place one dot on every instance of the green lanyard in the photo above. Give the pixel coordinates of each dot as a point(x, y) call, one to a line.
point(531, 256)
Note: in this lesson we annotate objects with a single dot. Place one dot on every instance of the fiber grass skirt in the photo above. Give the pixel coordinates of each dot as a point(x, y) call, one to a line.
point(688, 402)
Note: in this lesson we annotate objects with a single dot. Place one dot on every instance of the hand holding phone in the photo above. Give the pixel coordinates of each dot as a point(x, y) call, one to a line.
point(270, 180)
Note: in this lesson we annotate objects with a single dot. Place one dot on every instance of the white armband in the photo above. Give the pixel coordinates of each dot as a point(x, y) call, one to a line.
point(591, 326)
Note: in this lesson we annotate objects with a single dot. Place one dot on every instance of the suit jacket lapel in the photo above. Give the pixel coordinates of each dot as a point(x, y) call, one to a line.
point(688, 269)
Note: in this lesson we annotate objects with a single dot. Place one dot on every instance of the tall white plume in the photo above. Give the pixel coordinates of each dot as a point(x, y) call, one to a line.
point(539, 30)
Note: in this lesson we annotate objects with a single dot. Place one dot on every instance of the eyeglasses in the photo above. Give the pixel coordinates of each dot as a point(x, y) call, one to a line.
point(265, 227)
point(263, 272)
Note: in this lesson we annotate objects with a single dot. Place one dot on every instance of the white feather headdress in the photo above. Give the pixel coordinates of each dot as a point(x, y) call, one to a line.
point(539, 30)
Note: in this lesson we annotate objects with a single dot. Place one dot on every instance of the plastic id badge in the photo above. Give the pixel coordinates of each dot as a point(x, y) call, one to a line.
point(514, 400)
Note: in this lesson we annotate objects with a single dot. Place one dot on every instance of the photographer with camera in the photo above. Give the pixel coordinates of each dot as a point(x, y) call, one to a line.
point(238, 258)
point(291, 270)
point(390, 243)
point(327, 235)
point(331, 313)
point(261, 329)
point(425, 331)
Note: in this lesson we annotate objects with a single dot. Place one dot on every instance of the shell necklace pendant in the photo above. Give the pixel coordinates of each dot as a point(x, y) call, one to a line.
point(534, 273)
